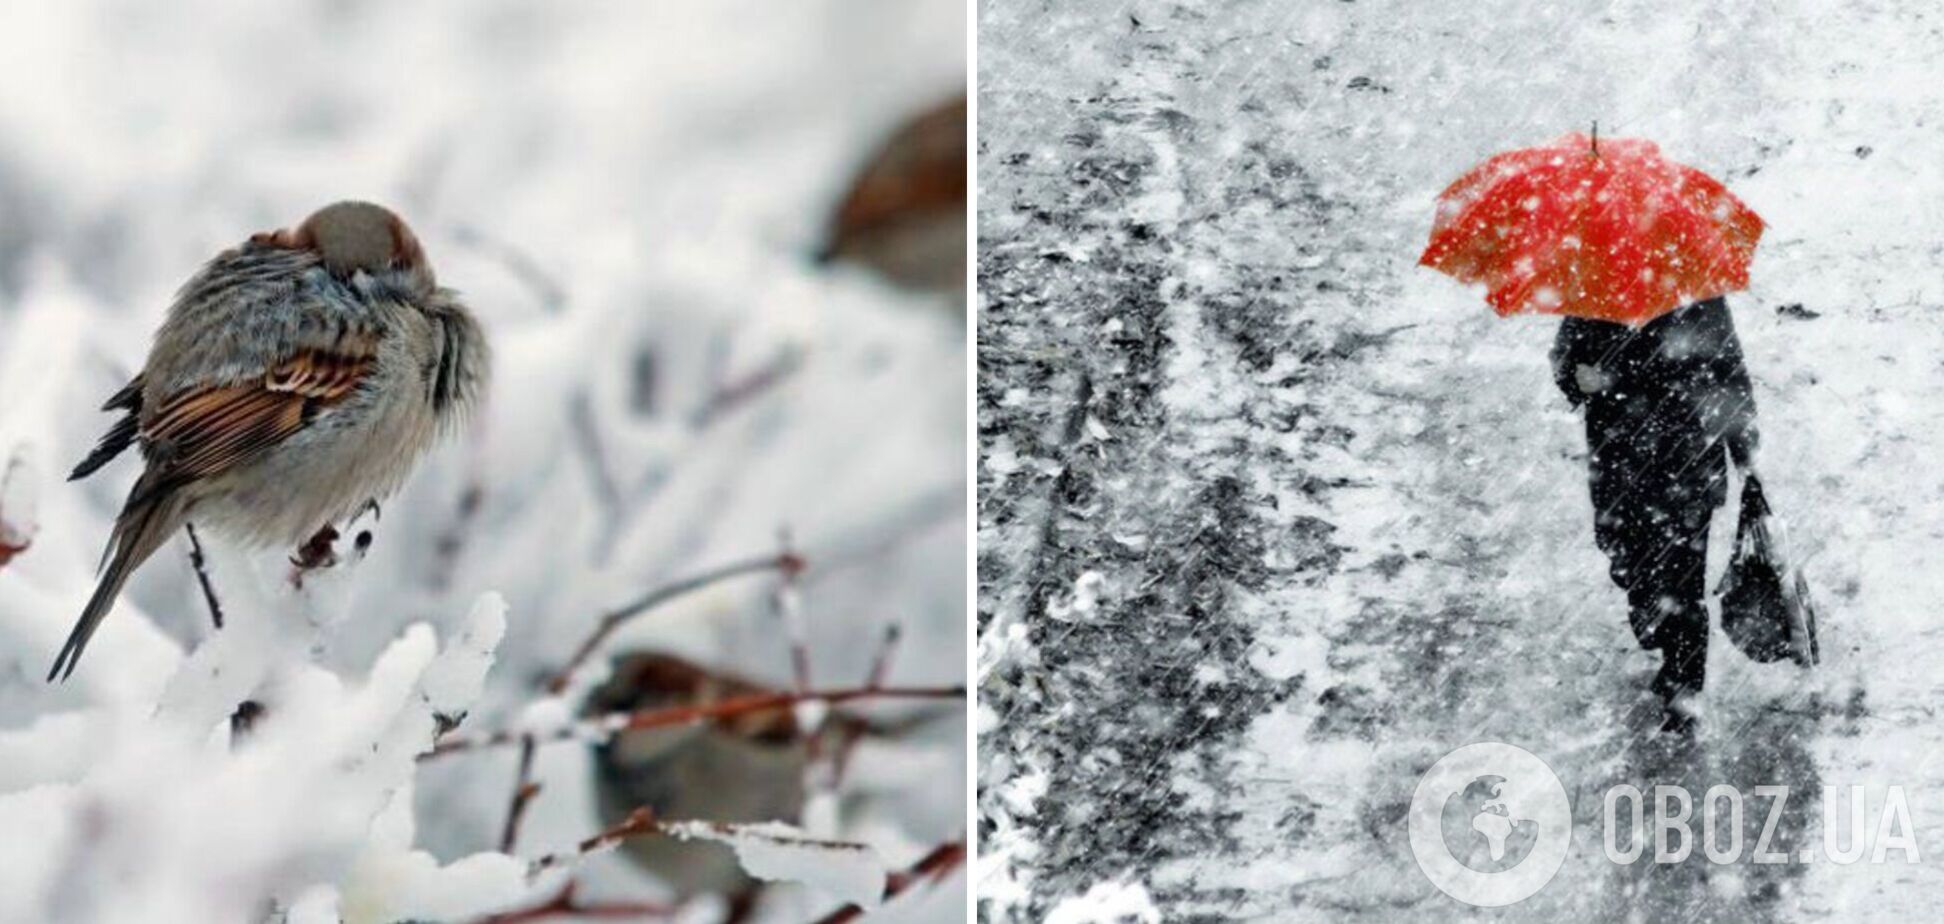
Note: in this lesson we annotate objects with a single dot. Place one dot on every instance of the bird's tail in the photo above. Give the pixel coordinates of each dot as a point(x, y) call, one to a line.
point(148, 521)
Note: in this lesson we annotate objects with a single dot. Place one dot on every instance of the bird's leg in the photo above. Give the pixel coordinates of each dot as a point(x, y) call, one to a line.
point(201, 564)
point(317, 552)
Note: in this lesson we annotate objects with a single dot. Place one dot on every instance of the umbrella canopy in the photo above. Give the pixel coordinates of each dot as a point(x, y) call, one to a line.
point(1593, 228)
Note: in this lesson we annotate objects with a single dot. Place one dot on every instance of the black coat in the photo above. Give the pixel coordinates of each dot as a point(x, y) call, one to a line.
point(1675, 395)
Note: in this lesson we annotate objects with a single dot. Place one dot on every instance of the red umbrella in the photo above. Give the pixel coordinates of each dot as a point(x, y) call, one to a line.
point(1594, 228)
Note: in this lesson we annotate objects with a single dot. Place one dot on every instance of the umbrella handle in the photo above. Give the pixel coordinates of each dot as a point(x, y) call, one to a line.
point(1596, 138)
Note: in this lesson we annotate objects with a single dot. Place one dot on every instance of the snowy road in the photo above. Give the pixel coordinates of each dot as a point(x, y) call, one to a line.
point(1271, 519)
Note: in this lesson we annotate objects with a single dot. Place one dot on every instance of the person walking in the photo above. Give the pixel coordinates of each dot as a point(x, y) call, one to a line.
point(1635, 251)
point(1668, 406)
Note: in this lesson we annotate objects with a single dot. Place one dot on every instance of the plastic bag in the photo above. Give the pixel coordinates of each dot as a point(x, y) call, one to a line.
point(1765, 605)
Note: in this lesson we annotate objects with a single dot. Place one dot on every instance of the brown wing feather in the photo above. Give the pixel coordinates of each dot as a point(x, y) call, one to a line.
point(242, 422)
point(206, 431)
point(199, 432)
point(320, 375)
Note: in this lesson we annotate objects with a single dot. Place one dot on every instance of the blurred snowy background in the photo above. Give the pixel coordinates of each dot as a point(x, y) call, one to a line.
point(1271, 518)
point(631, 196)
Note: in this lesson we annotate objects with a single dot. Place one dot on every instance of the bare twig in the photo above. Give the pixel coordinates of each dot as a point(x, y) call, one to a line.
point(881, 665)
point(853, 733)
point(786, 601)
point(564, 904)
point(453, 541)
point(586, 430)
point(610, 504)
point(787, 562)
point(735, 394)
point(198, 562)
point(547, 290)
point(524, 790)
point(933, 867)
point(605, 725)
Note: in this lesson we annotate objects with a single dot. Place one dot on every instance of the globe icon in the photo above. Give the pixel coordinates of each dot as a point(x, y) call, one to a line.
point(1490, 824)
point(1483, 827)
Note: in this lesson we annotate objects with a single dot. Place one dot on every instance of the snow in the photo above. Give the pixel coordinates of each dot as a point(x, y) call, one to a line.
point(1107, 903)
point(783, 853)
point(157, 801)
point(1338, 477)
point(628, 195)
point(389, 881)
point(19, 514)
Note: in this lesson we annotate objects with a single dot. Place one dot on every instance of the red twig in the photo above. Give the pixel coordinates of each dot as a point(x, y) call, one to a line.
point(602, 726)
point(735, 394)
point(934, 867)
point(787, 562)
point(524, 791)
point(564, 904)
point(640, 821)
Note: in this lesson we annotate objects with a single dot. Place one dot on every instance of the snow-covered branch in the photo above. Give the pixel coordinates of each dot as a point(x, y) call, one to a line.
point(601, 727)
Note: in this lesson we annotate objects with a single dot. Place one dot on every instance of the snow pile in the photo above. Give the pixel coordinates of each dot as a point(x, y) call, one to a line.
point(1109, 902)
point(628, 196)
point(296, 812)
point(390, 881)
point(18, 519)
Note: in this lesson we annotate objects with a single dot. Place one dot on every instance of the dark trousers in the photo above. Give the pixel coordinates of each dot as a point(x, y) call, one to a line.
point(1657, 548)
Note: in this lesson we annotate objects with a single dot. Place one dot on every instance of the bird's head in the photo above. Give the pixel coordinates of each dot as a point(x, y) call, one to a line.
point(351, 237)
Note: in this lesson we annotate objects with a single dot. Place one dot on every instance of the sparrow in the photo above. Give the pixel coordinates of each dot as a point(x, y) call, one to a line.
point(297, 379)
point(749, 768)
point(904, 215)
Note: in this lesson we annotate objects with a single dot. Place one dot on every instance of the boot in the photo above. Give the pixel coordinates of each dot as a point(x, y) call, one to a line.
point(1679, 681)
